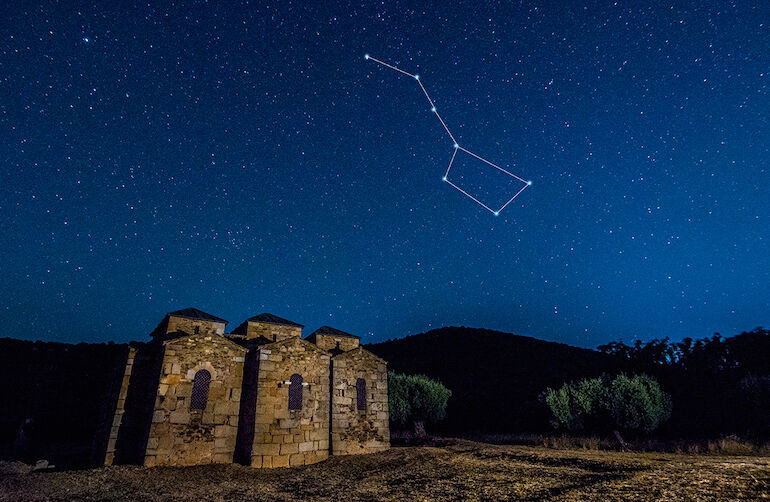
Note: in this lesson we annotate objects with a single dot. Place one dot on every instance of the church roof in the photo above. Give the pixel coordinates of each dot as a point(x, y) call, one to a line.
point(328, 330)
point(273, 319)
point(358, 350)
point(192, 313)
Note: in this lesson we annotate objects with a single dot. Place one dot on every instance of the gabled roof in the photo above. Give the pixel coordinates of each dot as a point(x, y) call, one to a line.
point(294, 340)
point(250, 344)
point(273, 319)
point(192, 313)
point(328, 330)
point(360, 350)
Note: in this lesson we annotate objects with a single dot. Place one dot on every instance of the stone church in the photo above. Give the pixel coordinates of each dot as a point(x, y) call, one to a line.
point(261, 396)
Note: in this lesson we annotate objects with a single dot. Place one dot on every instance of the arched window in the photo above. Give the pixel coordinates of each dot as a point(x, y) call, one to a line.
point(361, 393)
point(200, 391)
point(295, 392)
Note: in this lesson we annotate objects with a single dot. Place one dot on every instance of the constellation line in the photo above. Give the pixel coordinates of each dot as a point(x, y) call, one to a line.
point(450, 164)
point(517, 194)
point(474, 198)
point(389, 66)
point(493, 165)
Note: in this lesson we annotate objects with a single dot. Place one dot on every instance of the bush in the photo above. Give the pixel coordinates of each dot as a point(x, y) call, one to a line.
point(415, 400)
point(636, 403)
point(632, 404)
point(575, 406)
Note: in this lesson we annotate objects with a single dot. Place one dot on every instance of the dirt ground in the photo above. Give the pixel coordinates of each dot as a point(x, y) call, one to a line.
point(457, 470)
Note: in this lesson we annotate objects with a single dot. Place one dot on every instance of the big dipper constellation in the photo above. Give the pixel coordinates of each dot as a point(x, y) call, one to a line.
point(457, 146)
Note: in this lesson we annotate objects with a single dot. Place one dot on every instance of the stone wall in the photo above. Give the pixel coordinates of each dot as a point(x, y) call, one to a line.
point(188, 326)
point(274, 332)
point(354, 430)
point(329, 342)
point(284, 437)
point(179, 435)
point(120, 408)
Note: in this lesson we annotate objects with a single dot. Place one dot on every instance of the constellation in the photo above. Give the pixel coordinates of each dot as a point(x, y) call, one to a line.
point(457, 146)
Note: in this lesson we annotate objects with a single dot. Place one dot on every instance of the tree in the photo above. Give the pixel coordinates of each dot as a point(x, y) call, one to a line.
point(632, 404)
point(636, 403)
point(574, 405)
point(415, 400)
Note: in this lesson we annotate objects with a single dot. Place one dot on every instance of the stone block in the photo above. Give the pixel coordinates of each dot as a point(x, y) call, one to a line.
point(281, 461)
point(306, 446)
point(266, 449)
point(289, 448)
point(165, 442)
point(158, 416)
point(169, 404)
point(263, 418)
point(179, 417)
point(297, 459)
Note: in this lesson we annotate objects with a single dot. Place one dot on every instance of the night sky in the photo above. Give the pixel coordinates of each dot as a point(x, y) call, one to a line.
point(241, 158)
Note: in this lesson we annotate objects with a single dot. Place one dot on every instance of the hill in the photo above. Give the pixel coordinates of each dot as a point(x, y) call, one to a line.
point(495, 377)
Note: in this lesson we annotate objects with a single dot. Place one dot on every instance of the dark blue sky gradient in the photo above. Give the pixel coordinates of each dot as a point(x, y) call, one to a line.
point(241, 158)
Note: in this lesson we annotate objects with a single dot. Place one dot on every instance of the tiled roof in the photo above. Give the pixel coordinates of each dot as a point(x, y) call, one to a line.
point(273, 319)
point(191, 313)
point(328, 330)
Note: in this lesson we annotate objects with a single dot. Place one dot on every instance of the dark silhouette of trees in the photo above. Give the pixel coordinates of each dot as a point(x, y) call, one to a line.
point(718, 385)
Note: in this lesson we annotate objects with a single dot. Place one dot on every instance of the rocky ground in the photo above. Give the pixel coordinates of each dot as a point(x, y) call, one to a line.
point(456, 470)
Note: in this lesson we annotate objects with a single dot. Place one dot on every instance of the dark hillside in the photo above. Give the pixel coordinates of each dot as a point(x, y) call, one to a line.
point(495, 377)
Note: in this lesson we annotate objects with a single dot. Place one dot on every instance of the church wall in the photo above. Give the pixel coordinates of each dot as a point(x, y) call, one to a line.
point(188, 326)
point(353, 430)
point(329, 342)
point(284, 437)
point(274, 332)
point(183, 436)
